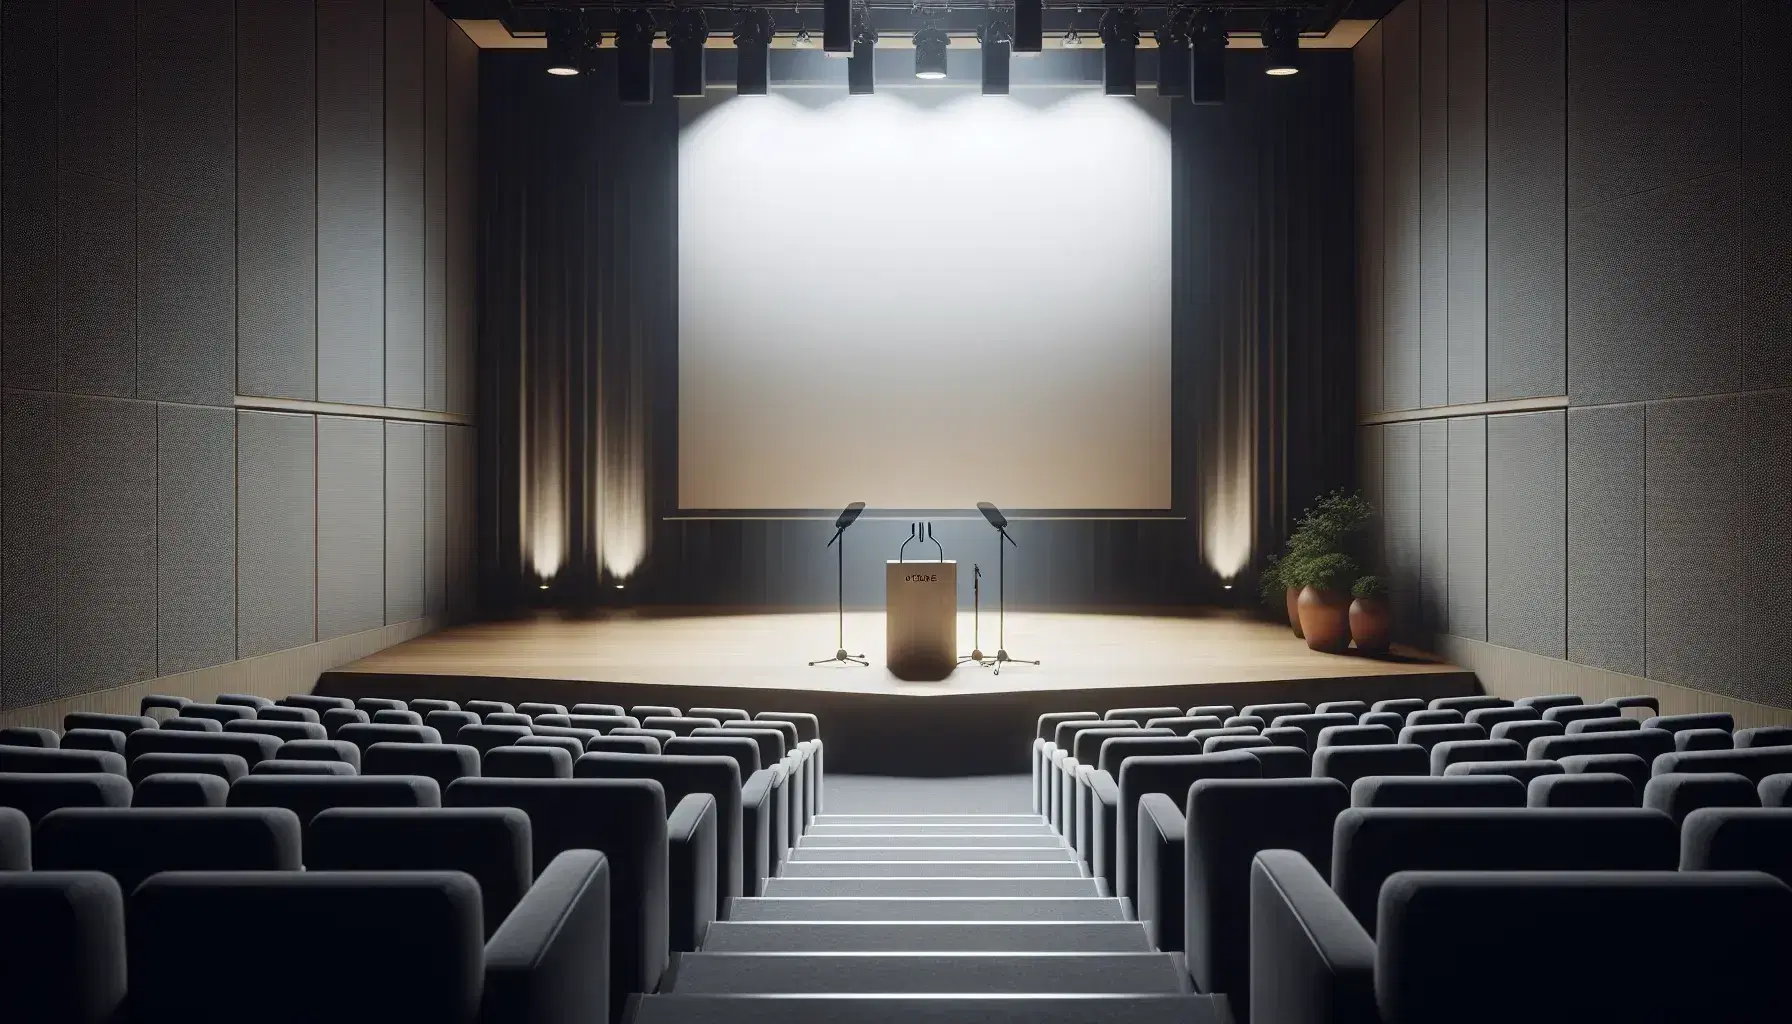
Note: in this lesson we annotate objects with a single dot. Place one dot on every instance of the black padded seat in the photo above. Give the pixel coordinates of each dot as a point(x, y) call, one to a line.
point(217, 712)
point(1392, 720)
point(1356, 736)
point(679, 776)
point(562, 731)
point(281, 730)
point(1738, 839)
point(321, 750)
point(191, 725)
point(598, 709)
point(29, 737)
point(1695, 739)
point(1678, 794)
point(1632, 767)
point(229, 767)
point(1705, 720)
point(1353, 708)
point(1219, 711)
point(1401, 706)
point(282, 767)
point(624, 745)
point(808, 726)
point(1086, 748)
point(109, 741)
point(1570, 713)
point(449, 722)
point(1369, 845)
point(1429, 736)
point(1644, 743)
point(1523, 771)
point(1109, 753)
point(537, 708)
point(509, 718)
point(1251, 722)
point(625, 820)
point(744, 749)
point(605, 724)
point(246, 700)
point(365, 736)
point(397, 716)
point(1487, 718)
point(1582, 726)
point(55, 759)
point(373, 704)
point(248, 746)
point(1171, 774)
point(1440, 716)
point(37, 793)
point(1450, 752)
point(278, 713)
point(487, 707)
point(1477, 702)
point(1270, 712)
point(572, 745)
point(792, 733)
point(1641, 700)
point(316, 702)
point(130, 844)
point(1286, 736)
point(126, 724)
point(646, 711)
point(1437, 791)
point(1764, 736)
point(683, 725)
point(424, 705)
point(486, 737)
point(1221, 744)
point(161, 702)
point(1545, 701)
point(1182, 725)
point(1586, 789)
point(1753, 763)
point(663, 735)
point(1140, 715)
point(335, 719)
point(1312, 725)
point(62, 953)
point(443, 762)
point(720, 714)
point(490, 843)
point(15, 840)
point(1229, 822)
point(1348, 764)
point(1283, 762)
point(1063, 734)
point(563, 721)
point(305, 795)
point(1776, 790)
point(514, 762)
point(1526, 731)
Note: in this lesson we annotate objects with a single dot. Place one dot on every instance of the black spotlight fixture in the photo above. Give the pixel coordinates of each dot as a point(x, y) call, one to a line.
point(1281, 44)
point(861, 73)
point(687, 38)
point(1120, 51)
point(1207, 59)
point(998, 41)
point(565, 43)
point(752, 52)
point(931, 43)
point(634, 57)
point(1029, 26)
point(1172, 54)
point(836, 26)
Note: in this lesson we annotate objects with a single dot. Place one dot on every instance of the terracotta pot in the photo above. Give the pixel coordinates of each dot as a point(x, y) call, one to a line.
point(1369, 624)
point(1294, 610)
point(1325, 619)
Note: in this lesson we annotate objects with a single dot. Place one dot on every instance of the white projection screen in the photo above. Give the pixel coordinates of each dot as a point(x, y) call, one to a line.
point(924, 299)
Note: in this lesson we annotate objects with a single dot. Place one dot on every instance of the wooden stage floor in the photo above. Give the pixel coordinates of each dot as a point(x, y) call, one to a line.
point(873, 720)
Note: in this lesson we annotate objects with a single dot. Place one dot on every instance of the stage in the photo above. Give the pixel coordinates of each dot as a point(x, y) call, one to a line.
point(973, 721)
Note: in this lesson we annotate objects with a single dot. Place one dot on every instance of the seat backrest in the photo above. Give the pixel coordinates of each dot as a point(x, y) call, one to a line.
point(808, 727)
point(424, 705)
point(1523, 771)
point(39, 793)
point(744, 749)
point(1283, 762)
point(15, 840)
point(1476, 702)
point(1487, 718)
point(1355, 736)
point(1086, 748)
point(1644, 743)
point(1754, 763)
point(1140, 715)
point(573, 746)
point(62, 953)
point(1764, 736)
point(645, 711)
point(321, 750)
point(509, 718)
point(161, 702)
point(1678, 794)
point(1703, 720)
point(397, 716)
point(1545, 701)
point(1270, 712)
point(633, 744)
point(248, 746)
point(1776, 790)
point(1438, 716)
point(1182, 725)
point(1443, 937)
point(604, 723)
point(485, 737)
point(1221, 744)
point(407, 945)
point(490, 843)
point(1429, 736)
point(683, 725)
point(334, 719)
point(282, 730)
point(191, 725)
point(376, 704)
point(679, 776)
point(792, 735)
point(365, 736)
point(282, 767)
point(217, 712)
point(110, 741)
point(443, 762)
point(1171, 774)
point(1569, 713)
point(1219, 711)
point(126, 724)
point(247, 700)
point(1685, 739)
point(130, 844)
point(1582, 726)
point(1251, 722)
point(1353, 708)
point(1369, 845)
point(1437, 791)
point(488, 707)
point(279, 713)
point(55, 759)
point(229, 767)
point(1632, 767)
point(1393, 720)
point(514, 762)
point(1450, 752)
point(598, 709)
point(721, 714)
point(306, 795)
point(1312, 725)
point(1401, 706)
point(449, 723)
point(1738, 839)
point(316, 702)
point(1110, 753)
point(533, 708)
point(1348, 764)
point(1064, 733)
point(1587, 789)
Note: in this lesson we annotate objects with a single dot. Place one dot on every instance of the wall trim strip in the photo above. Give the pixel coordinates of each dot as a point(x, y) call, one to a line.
point(372, 412)
point(1445, 412)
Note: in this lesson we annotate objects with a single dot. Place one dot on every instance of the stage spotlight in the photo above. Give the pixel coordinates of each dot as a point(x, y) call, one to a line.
point(861, 73)
point(1172, 55)
point(997, 39)
point(803, 40)
point(1281, 43)
point(687, 38)
point(563, 50)
point(930, 52)
point(1029, 26)
point(1073, 40)
point(1207, 59)
point(752, 60)
point(634, 57)
point(837, 26)
point(1120, 51)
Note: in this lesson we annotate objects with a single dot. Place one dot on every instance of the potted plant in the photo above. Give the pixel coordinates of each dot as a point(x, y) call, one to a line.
point(1326, 528)
point(1370, 622)
point(1277, 590)
point(1325, 601)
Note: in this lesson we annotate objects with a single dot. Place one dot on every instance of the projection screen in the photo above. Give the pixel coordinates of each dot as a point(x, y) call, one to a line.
point(924, 300)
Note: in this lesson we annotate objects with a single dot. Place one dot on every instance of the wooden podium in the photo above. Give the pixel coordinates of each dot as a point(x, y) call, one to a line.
point(921, 619)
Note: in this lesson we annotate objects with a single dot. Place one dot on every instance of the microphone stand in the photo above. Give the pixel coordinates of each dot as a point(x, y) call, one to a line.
point(840, 654)
point(976, 654)
point(1002, 656)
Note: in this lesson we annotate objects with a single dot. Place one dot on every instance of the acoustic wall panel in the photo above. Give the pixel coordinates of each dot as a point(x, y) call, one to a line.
point(436, 27)
point(1371, 326)
point(1434, 201)
point(435, 518)
point(98, 112)
point(1403, 201)
point(1766, 632)
point(1693, 561)
point(460, 520)
point(405, 206)
point(1652, 95)
point(1434, 524)
point(1526, 208)
point(195, 544)
point(276, 199)
point(1468, 201)
point(1403, 509)
point(406, 542)
point(29, 301)
point(462, 240)
point(1467, 513)
point(1371, 474)
point(276, 561)
point(1654, 300)
point(1605, 537)
point(1526, 535)
point(351, 201)
point(34, 548)
point(1767, 196)
point(351, 525)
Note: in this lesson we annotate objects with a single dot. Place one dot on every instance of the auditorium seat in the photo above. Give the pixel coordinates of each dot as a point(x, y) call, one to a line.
point(1543, 702)
point(1703, 739)
point(1523, 771)
point(1738, 839)
point(1401, 706)
point(1353, 708)
point(131, 844)
point(1706, 720)
point(488, 707)
point(109, 741)
point(1392, 721)
point(1524, 732)
point(743, 749)
point(1644, 743)
point(317, 702)
point(1219, 711)
point(626, 744)
point(1450, 752)
point(334, 719)
point(1251, 722)
point(1370, 844)
point(1221, 744)
point(808, 726)
point(646, 711)
point(321, 750)
point(1283, 762)
point(1568, 714)
point(1229, 730)
point(1634, 701)
point(1585, 789)
point(190, 725)
point(449, 722)
point(1182, 725)
point(217, 712)
point(1286, 736)
point(509, 718)
point(1476, 702)
point(1582, 726)
point(679, 776)
point(229, 767)
point(1487, 718)
point(1141, 773)
point(1776, 790)
point(280, 713)
point(55, 759)
point(1440, 716)
point(397, 716)
point(443, 762)
point(572, 745)
point(566, 732)
point(1348, 764)
point(126, 724)
point(514, 762)
point(62, 950)
point(372, 705)
point(279, 766)
point(1355, 736)
point(37, 793)
point(246, 700)
point(424, 705)
point(534, 708)
point(1429, 736)
point(490, 843)
point(280, 730)
point(161, 702)
point(597, 709)
point(1059, 781)
point(1139, 715)
point(1631, 766)
point(1436, 791)
point(604, 724)
point(1270, 712)
point(29, 737)
point(683, 725)
point(1754, 763)
point(720, 714)
point(1678, 794)
point(1764, 736)
point(1311, 725)
point(248, 746)
point(15, 840)
point(365, 736)
point(305, 795)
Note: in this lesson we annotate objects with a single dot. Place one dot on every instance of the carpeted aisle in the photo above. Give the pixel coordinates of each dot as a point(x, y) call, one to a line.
point(976, 794)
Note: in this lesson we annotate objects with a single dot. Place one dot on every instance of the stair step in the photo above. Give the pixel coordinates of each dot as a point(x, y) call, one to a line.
point(895, 937)
point(892, 908)
point(930, 888)
point(1040, 854)
point(888, 839)
point(932, 869)
point(928, 819)
point(898, 1009)
point(982, 973)
point(933, 828)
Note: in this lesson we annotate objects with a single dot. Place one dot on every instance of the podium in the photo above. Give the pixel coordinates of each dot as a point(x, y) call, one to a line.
point(921, 619)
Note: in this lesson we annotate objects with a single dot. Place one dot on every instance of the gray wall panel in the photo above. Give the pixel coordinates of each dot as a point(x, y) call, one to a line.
point(404, 218)
point(1434, 201)
point(195, 537)
point(1605, 537)
point(98, 112)
point(1526, 208)
point(276, 532)
point(463, 181)
point(34, 550)
point(351, 201)
point(461, 521)
point(1403, 502)
point(1371, 251)
point(1767, 196)
point(436, 27)
point(1766, 632)
point(1653, 279)
point(1467, 513)
point(351, 525)
point(405, 517)
point(1468, 201)
point(435, 518)
point(1403, 271)
point(28, 196)
point(186, 97)
point(276, 199)
point(1526, 533)
point(1692, 561)
point(1371, 461)
point(1434, 523)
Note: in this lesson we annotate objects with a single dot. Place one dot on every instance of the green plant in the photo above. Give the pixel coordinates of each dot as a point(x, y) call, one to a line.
point(1270, 584)
point(1331, 522)
point(1369, 586)
point(1332, 571)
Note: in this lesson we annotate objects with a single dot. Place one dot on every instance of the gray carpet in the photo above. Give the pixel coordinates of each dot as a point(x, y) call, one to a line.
point(975, 794)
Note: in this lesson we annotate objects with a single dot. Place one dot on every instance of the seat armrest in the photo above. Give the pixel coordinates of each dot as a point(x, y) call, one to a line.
point(1161, 831)
point(1054, 789)
point(758, 802)
point(796, 779)
point(1038, 745)
point(1311, 961)
point(549, 962)
point(821, 771)
point(1104, 806)
point(691, 870)
point(1081, 817)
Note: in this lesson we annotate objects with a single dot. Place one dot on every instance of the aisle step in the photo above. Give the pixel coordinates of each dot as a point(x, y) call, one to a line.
point(957, 973)
point(894, 908)
point(889, 1009)
point(924, 819)
point(932, 869)
point(806, 854)
point(1034, 828)
point(930, 888)
point(896, 937)
point(887, 839)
